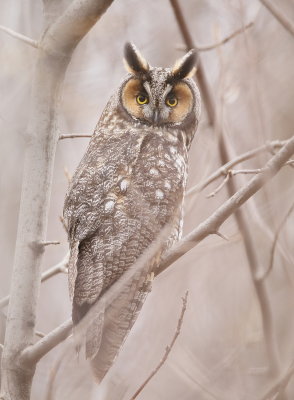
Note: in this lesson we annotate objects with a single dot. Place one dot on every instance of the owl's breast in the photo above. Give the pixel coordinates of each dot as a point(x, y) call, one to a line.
point(159, 175)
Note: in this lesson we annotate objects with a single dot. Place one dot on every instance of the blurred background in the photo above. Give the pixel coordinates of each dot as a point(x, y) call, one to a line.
point(220, 352)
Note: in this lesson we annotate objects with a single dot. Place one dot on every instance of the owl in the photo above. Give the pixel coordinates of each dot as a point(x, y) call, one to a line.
point(128, 189)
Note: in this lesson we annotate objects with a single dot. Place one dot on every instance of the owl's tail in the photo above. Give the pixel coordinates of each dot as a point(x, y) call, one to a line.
point(103, 345)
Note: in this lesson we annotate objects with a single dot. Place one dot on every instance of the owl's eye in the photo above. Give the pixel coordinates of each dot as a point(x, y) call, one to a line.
point(172, 101)
point(142, 99)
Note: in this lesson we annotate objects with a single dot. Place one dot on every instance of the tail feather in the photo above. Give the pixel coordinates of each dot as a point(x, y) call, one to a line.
point(94, 336)
point(119, 319)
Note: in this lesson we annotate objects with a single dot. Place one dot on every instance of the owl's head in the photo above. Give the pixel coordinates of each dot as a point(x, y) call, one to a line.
point(160, 96)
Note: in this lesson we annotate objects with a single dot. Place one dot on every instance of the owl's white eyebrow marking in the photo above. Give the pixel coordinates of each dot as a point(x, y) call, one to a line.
point(167, 90)
point(147, 88)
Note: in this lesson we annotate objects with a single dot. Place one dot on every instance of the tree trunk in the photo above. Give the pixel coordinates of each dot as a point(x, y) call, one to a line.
point(54, 54)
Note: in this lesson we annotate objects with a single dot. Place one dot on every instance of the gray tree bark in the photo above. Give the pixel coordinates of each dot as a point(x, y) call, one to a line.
point(54, 53)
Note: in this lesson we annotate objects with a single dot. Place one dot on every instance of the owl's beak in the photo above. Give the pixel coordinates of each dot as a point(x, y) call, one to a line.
point(156, 118)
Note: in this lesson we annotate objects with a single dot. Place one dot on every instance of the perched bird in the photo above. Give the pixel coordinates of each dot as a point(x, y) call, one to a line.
point(128, 187)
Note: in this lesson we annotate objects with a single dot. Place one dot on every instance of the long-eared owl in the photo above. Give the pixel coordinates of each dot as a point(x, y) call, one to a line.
point(127, 189)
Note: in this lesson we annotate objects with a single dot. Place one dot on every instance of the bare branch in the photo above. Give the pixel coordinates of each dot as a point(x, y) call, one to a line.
point(229, 165)
point(279, 16)
point(40, 334)
point(219, 188)
point(221, 235)
point(75, 135)
point(20, 37)
point(233, 172)
point(32, 354)
point(226, 39)
point(61, 267)
point(48, 243)
point(212, 223)
point(273, 248)
point(167, 350)
point(221, 42)
point(209, 226)
point(246, 171)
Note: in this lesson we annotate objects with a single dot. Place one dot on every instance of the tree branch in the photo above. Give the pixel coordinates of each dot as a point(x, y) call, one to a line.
point(32, 354)
point(221, 42)
point(20, 37)
point(223, 170)
point(209, 226)
point(167, 350)
point(213, 223)
point(61, 267)
point(75, 135)
point(55, 50)
point(279, 16)
point(233, 172)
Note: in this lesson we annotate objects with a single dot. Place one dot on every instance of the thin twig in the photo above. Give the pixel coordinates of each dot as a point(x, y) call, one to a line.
point(219, 188)
point(246, 171)
point(221, 42)
point(221, 235)
point(40, 334)
point(279, 16)
point(223, 170)
point(52, 242)
point(273, 248)
point(207, 227)
point(20, 37)
point(61, 267)
point(167, 350)
point(75, 135)
point(233, 172)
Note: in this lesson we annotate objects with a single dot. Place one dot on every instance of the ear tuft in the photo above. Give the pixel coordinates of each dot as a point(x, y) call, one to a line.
point(135, 63)
point(185, 67)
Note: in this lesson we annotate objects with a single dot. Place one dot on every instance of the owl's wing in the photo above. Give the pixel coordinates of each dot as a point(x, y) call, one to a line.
point(90, 198)
point(122, 253)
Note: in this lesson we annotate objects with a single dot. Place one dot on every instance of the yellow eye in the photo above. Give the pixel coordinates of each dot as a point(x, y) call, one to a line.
point(142, 99)
point(172, 101)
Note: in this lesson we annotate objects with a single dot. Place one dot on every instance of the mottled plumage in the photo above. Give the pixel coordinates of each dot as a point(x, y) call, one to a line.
point(128, 187)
